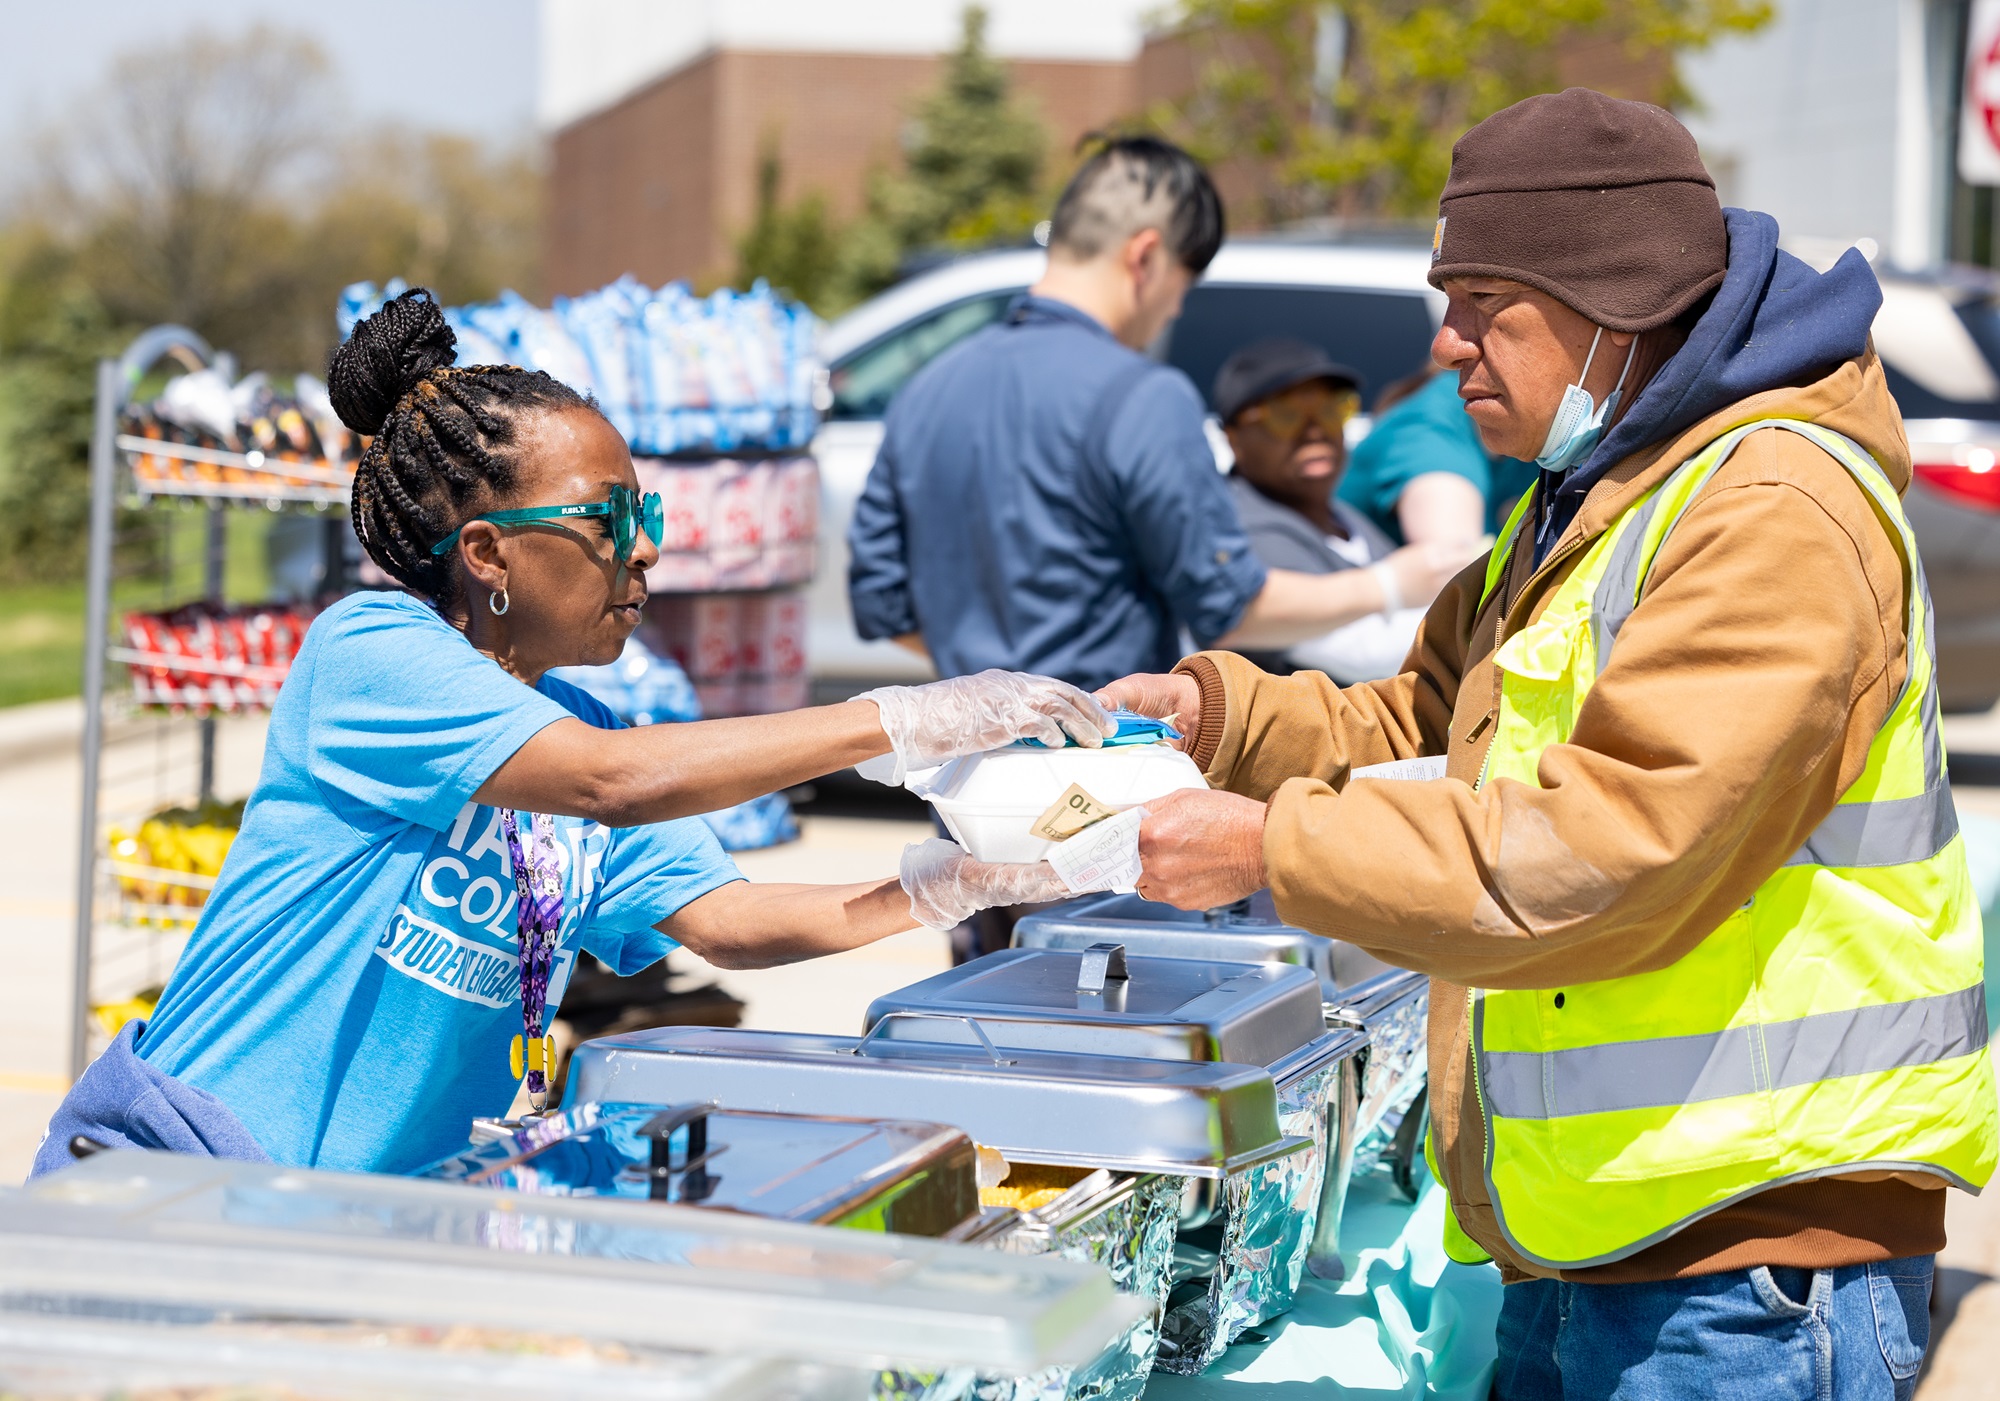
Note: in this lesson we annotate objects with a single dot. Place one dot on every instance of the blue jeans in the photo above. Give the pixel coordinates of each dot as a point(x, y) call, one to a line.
point(1856, 1333)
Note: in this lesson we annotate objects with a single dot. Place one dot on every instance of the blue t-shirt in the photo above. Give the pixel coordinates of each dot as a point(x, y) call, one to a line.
point(354, 983)
point(1429, 432)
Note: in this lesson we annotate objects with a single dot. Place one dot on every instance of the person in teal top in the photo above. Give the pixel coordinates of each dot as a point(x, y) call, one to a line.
point(1421, 474)
point(433, 802)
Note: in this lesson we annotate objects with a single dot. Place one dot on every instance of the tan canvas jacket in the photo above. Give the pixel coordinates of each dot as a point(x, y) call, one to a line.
point(1740, 701)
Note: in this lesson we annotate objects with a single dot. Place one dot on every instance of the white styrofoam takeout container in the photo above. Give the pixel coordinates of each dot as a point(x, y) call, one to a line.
point(989, 802)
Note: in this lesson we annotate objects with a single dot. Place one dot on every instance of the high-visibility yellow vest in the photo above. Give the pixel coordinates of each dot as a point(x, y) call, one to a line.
point(1835, 1023)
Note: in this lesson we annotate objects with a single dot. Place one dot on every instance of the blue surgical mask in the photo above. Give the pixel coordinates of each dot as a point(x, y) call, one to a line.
point(1579, 423)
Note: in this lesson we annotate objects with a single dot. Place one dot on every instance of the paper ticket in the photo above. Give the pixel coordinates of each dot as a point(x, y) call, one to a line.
point(1406, 770)
point(1070, 814)
point(1104, 856)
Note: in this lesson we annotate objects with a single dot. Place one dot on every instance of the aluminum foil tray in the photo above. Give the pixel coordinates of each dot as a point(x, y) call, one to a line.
point(1268, 1220)
point(1394, 1009)
point(1123, 1223)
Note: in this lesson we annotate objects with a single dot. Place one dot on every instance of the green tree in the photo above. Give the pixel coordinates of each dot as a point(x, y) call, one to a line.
point(972, 171)
point(52, 331)
point(1351, 109)
point(203, 184)
point(178, 182)
point(793, 247)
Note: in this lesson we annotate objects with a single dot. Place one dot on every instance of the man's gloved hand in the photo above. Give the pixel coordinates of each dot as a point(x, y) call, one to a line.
point(927, 725)
point(946, 885)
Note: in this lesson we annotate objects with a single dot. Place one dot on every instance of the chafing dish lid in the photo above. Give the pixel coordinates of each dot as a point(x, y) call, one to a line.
point(187, 1239)
point(797, 1167)
point(1054, 999)
point(1249, 931)
point(1193, 1118)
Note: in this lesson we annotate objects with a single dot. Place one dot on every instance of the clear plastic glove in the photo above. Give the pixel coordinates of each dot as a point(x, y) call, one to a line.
point(927, 725)
point(946, 885)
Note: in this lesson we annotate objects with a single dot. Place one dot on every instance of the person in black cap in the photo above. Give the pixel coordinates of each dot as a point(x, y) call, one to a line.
point(1284, 406)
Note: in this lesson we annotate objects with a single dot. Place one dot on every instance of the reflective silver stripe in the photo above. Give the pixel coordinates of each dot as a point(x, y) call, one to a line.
point(1887, 832)
point(1618, 591)
point(1672, 1070)
point(1626, 572)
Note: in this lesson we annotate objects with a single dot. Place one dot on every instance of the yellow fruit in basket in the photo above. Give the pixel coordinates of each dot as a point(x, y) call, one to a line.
point(112, 1016)
point(178, 841)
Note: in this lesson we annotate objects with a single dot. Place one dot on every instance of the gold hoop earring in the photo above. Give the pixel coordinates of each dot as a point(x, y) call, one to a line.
point(498, 603)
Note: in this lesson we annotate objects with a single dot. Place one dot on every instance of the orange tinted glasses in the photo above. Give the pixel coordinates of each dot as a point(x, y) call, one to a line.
point(1286, 416)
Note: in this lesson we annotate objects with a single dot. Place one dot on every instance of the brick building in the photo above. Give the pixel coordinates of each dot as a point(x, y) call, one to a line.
point(658, 112)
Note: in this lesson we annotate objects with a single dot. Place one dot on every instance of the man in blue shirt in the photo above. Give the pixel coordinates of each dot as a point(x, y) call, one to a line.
point(1045, 496)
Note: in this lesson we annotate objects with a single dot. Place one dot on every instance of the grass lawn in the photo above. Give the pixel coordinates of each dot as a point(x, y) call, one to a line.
point(41, 642)
point(41, 625)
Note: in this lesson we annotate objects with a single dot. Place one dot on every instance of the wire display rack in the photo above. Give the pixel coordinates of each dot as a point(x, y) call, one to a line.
point(146, 749)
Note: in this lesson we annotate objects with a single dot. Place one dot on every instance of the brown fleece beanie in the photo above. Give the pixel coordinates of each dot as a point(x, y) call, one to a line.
point(1603, 204)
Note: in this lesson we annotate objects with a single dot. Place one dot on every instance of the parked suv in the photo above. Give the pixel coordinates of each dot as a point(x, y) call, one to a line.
point(1370, 308)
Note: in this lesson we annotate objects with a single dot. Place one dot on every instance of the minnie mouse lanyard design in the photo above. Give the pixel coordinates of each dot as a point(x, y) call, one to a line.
point(538, 887)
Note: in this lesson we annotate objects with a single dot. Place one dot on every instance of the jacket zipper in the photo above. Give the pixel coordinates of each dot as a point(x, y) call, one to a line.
point(1479, 1098)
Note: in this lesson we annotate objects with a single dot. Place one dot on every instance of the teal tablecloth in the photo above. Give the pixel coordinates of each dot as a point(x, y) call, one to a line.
point(1406, 1322)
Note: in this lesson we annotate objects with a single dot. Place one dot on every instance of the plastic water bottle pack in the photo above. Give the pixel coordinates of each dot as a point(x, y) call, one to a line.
point(675, 373)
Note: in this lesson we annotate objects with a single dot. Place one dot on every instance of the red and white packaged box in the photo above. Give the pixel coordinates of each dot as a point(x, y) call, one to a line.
point(774, 635)
point(733, 525)
point(736, 536)
point(687, 499)
point(701, 632)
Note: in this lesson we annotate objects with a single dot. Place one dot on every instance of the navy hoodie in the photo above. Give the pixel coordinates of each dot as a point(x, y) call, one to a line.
point(1773, 323)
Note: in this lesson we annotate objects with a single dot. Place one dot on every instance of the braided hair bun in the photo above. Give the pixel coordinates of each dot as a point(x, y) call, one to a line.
point(444, 442)
point(387, 357)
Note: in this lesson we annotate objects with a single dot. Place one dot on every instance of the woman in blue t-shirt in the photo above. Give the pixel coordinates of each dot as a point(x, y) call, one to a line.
point(433, 805)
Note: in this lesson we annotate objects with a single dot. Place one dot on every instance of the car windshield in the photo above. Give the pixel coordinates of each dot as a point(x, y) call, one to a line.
point(1382, 335)
point(865, 382)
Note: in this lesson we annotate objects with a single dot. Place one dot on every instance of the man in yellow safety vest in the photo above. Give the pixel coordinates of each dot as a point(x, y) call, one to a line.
point(1708, 1033)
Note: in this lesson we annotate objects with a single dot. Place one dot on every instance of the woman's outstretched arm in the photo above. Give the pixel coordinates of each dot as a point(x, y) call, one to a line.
point(623, 778)
point(745, 925)
point(655, 773)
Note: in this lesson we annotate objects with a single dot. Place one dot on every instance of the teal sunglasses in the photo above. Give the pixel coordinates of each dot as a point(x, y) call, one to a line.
point(629, 511)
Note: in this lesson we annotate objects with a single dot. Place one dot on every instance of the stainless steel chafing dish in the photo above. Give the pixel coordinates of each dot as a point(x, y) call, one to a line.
point(131, 1271)
point(1243, 1266)
point(870, 1174)
point(1358, 989)
point(1151, 1142)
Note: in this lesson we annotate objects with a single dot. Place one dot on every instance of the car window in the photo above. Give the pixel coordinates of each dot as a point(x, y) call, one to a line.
point(865, 382)
point(1381, 335)
point(1981, 319)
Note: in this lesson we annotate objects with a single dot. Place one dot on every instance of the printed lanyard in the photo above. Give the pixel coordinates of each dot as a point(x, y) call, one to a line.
point(538, 888)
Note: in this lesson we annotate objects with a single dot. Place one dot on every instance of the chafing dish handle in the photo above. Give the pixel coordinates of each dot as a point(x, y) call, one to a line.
point(992, 1051)
point(661, 1129)
point(1102, 963)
